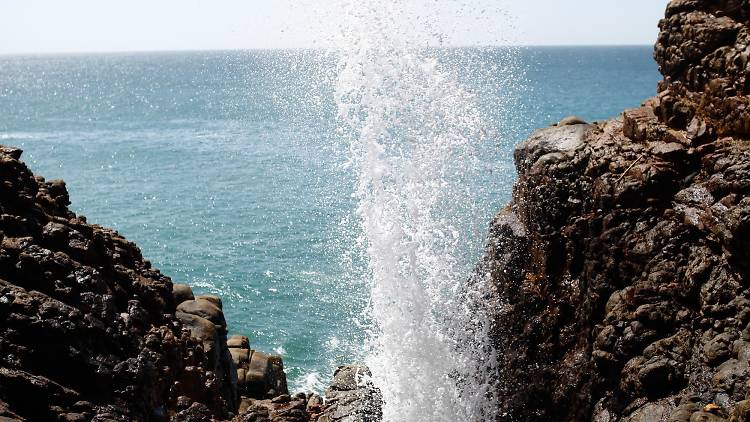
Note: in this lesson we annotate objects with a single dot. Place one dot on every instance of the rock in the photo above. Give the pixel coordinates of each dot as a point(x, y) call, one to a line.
point(197, 412)
point(572, 120)
point(284, 398)
point(260, 376)
point(552, 143)
point(684, 411)
point(670, 150)
point(651, 412)
point(351, 397)
point(702, 53)
point(315, 404)
point(241, 374)
point(705, 417)
point(204, 309)
point(182, 293)
point(265, 376)
point(623, 258)
point(698, 130)
point(241, 342)
point(279, 409)
point(658, 377)
point(216, 300)
point(640, 124)
point(740, 412)
point(240, 357)
point(717, 349)
point(88, 329)
point(350, 377)
point(13, 153)
point(200, 329)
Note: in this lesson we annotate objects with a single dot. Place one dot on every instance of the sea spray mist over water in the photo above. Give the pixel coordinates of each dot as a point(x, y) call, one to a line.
point(412, 130)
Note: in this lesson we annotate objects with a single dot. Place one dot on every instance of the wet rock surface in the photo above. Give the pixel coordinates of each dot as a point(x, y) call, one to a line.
point(351, 397)
point(624, 257)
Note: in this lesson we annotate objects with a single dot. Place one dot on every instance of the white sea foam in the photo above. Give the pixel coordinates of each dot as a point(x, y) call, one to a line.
point(412, 129)
point(16, 136)
point(310, 382)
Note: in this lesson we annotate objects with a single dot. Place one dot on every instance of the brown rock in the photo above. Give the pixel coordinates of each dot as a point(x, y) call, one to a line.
point(265, 376)
point(705, 417)
point(200, 329)
point(182, 293)
point(622, 261)
point(204, 309)
point(216, 300)
point(640, 124)
point(240, 357)
point(241, 342)
point(740, 412)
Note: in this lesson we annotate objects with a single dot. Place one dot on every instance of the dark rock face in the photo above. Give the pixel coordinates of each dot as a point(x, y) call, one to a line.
point(624, 258)
point(88, 330)
point(703, 52)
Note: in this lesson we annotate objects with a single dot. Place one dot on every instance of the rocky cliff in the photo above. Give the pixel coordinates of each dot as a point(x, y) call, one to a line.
point(89, 331)
point(87, 327)
point(624, 257)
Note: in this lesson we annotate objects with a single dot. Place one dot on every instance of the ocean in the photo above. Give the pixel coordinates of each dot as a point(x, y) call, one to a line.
point(229, 170)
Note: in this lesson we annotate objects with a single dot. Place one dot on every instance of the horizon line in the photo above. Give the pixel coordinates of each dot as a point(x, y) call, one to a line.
point(259, 49)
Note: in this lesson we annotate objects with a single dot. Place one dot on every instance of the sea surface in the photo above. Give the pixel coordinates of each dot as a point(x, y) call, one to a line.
point(229, 171)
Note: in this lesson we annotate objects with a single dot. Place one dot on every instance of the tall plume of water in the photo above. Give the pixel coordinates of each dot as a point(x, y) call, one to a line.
point(412, 129)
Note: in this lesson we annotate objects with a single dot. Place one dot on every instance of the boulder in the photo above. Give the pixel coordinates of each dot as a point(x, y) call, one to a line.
point(216, 300)
point(265, 376)
point(553, 143)
point(241, 342)
point(240, 357)
point(204, 309)
point(706, 417)
point(351, 397)
point(641, 124)
point(740, 412)
point(572, 120)
point(279, 409)
point(182, 293)
point(200, 329)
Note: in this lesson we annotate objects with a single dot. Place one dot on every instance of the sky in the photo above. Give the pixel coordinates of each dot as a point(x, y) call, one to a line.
point(75, 26)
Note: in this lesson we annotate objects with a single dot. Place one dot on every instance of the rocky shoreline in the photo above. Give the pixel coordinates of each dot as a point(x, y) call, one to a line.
point(91, 332)
point(624, 257)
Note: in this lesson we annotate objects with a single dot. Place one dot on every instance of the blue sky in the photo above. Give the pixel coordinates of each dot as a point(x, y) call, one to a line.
point(53, 26)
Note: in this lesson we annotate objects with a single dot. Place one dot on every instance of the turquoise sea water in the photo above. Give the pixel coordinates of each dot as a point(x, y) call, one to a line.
point(226, 167)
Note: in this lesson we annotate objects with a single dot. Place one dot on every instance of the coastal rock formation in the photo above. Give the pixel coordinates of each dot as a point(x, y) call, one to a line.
point(259, 375)
point(351, 397)
point(90, 331)
point(624, 257)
